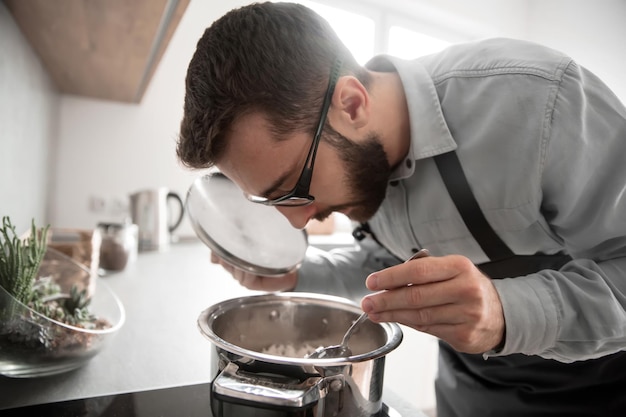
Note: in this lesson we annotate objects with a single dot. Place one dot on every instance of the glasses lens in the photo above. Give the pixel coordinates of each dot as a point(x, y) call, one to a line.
point(294, 202)
point(289, 201)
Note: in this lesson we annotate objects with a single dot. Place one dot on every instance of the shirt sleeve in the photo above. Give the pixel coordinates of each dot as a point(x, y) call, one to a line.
point(578, 312)
point(342, 272)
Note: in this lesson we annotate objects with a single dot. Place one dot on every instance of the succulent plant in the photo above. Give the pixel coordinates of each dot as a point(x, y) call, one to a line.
point(20, 260)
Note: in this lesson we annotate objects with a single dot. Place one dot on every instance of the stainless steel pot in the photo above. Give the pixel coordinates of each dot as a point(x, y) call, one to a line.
point(258, 348)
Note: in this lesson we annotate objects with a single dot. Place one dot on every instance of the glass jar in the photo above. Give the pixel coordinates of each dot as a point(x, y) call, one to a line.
point(119, 245)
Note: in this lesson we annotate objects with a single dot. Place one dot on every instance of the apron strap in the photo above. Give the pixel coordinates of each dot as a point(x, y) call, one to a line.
point(517, 385)
point(459, 189)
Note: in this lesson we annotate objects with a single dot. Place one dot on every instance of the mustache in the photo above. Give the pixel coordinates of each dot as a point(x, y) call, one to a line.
point(320, 217)
point(323, 215)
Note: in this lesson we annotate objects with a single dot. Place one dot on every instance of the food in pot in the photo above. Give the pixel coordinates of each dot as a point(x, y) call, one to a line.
point(289, 350)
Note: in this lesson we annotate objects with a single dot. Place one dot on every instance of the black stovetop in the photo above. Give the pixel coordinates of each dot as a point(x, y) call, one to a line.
point(186, 401)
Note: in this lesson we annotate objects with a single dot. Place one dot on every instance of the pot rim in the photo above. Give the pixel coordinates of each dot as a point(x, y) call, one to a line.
point(208, 316)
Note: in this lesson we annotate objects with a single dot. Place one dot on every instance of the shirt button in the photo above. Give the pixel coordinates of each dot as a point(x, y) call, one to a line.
point(409, 163)
point(393, 183)
point(414, 250)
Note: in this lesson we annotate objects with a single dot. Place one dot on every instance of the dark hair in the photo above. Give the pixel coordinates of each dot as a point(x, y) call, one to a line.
point(269, 57)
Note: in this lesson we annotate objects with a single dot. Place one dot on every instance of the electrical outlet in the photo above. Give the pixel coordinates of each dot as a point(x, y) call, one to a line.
point(96, 204)
point(118, 207)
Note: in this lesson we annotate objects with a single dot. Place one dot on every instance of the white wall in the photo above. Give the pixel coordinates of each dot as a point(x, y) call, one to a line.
point(482, 18)
point(593, 32)
point(108, 150)
point(28, 117)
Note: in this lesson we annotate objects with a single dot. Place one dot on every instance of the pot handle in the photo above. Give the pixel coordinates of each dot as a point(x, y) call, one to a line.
point(250, 387)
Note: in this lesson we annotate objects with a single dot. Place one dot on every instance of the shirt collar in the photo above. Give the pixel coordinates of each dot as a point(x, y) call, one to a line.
point(430, 135)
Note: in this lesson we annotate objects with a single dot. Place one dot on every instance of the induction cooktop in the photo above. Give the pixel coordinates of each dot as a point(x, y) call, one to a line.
point(185, 401)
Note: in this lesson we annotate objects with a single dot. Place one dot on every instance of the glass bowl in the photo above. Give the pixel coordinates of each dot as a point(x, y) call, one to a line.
point(33, 345)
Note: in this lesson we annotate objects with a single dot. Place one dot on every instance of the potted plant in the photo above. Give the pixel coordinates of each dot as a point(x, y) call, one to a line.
point(46, 325)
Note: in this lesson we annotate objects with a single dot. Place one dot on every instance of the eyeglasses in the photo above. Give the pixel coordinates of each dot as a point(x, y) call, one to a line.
point(299, 195)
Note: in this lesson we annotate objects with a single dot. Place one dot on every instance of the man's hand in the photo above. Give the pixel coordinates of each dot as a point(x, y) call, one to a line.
point(285, 282)
point(447, 297)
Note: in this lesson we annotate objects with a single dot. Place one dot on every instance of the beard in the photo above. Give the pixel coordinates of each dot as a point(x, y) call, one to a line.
point(367, 170)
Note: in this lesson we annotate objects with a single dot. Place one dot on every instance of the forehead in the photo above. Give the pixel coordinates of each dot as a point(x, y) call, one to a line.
point(244, 130)
point(254, 156)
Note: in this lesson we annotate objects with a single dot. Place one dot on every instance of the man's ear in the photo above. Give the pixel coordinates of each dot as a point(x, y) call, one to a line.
point(350, 104)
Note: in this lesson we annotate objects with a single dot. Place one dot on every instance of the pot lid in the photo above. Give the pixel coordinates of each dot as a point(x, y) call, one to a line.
point(250, 236)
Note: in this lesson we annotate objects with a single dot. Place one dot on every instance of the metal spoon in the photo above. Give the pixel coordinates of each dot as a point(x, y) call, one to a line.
point(342, 350)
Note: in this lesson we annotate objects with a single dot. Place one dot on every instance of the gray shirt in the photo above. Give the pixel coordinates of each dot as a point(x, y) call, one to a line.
point(542, 142)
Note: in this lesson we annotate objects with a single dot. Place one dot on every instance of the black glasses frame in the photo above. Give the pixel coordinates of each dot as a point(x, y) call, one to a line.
point(299, 195)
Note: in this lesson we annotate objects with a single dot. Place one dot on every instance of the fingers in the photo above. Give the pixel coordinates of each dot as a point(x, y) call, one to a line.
point(214, 258)
point(283, 283)
point(464, 287)
point(421, 319)
point(413, 296)
point(465, 327)
point(258, 282)
point(447, 297)
point(265, 283)
point(418, 271)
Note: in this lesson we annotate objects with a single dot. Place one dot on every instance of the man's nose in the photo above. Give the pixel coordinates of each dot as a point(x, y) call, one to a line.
point(297, 216)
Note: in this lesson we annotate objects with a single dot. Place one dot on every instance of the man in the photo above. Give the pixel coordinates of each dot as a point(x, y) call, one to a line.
point(503, 158)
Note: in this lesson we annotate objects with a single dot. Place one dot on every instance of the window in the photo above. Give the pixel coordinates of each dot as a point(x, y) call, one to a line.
point(370, 30)
point(406, 43)
point(355, 30)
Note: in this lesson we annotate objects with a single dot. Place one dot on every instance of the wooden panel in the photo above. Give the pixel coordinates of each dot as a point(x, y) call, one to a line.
point(104, 49)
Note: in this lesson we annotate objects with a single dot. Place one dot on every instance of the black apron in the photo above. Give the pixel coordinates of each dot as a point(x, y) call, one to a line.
point(518, 385)
point(515, 385)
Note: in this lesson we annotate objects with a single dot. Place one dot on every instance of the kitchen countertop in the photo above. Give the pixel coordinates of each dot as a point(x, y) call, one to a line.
point(159, 345)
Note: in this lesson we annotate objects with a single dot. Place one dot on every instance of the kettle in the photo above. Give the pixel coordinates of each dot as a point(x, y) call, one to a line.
point(151, 212)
